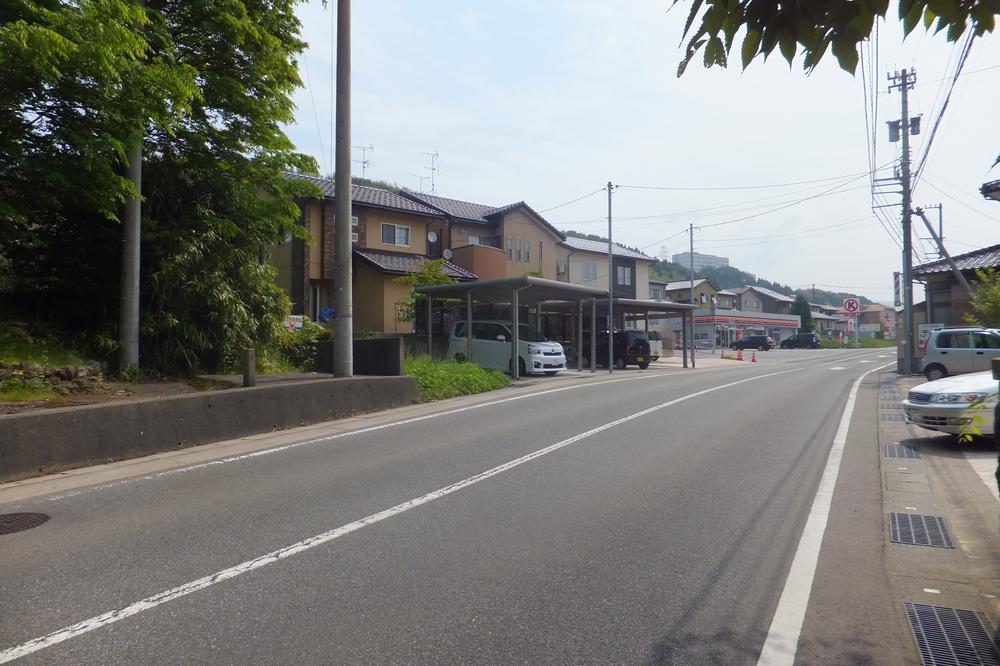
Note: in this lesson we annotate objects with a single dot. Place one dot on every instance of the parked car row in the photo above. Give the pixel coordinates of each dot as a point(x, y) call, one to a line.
point(954, 404)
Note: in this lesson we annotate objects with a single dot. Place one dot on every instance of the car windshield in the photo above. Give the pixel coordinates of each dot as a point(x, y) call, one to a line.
point(529, 334)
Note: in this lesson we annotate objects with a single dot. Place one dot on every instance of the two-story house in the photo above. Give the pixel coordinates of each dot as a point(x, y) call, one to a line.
point(877, 315)
point(491, 241)
point(390, 238)
point(584, 261)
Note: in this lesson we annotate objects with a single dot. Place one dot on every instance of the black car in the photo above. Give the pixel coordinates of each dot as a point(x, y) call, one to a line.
point(631, 348)
point(801, 341)
point(758, 342)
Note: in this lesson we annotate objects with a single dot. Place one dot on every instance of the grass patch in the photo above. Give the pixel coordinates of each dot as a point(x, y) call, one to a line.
point(446, 379)
point(17, 346)
point(27, 394)
point(866, 343)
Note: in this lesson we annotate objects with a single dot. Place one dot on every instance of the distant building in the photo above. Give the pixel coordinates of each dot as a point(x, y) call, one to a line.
point(700, 260)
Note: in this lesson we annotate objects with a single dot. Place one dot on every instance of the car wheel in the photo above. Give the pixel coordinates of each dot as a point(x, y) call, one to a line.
point(620, 363)
point(934, 372)
point(643, 366)
point(521, 368)
point(761, 348)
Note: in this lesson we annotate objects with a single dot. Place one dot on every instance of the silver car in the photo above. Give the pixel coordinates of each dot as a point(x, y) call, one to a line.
point(953, 351)
point(953, 404)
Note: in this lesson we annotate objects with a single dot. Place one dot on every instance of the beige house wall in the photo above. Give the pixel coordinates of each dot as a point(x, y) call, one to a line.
point(280, 257)
point(394, 293)
point(641, 279)
point(518, 224)
point(684, 295)
point(368, 298)
point(373, 220)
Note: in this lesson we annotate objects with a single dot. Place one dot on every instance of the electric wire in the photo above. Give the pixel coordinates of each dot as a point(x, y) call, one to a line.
point(740, 187)
point(581, 198)
point(319, 131)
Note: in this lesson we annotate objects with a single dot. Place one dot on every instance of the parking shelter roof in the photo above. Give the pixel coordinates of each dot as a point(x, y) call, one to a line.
point(530, 290)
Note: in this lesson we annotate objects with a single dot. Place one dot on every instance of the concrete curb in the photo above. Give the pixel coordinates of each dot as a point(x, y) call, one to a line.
point(51, 440)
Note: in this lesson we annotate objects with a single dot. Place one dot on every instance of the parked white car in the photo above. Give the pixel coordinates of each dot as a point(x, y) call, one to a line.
point(949, 404)
point(491, 348)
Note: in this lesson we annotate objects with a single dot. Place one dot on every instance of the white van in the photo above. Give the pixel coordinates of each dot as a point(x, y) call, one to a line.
point(491, 348)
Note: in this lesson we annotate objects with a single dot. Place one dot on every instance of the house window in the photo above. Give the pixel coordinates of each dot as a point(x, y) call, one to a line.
point(590, 272)
point(395, 234)
point(474, 240)
point(527, 250)
point(316, 301)
point(624, 275)
point(517, 248)
point(510, 248)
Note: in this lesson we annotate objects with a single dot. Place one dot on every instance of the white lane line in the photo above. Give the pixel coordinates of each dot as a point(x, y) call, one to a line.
point(328, 438)
point(838, 367)
point(148, 603)
point(783, 637)
point(984, 463)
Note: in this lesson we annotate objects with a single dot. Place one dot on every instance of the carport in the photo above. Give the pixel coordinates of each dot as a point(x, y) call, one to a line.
point(548, 296)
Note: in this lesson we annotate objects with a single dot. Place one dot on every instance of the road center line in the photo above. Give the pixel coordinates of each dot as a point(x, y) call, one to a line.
point(111, 617)
point(783, 637)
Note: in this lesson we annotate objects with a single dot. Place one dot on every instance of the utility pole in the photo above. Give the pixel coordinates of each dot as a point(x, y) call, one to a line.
point(343, 307)
point(128, 309)
point(904, 81)
point(691, 257)
point(364, 161)
point(611, 291)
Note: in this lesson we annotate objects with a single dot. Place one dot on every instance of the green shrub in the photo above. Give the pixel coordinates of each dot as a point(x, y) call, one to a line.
point(446, 379)
point(38, 345)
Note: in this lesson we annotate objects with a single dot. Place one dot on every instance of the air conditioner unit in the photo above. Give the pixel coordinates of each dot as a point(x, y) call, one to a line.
point(354, 238)
point(560, 267)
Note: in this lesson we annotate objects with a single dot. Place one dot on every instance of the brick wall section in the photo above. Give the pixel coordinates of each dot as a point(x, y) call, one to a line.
point(329, 211)
point(300, 270)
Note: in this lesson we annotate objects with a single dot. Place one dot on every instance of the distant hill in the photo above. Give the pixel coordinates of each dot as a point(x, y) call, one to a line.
point(729, 277)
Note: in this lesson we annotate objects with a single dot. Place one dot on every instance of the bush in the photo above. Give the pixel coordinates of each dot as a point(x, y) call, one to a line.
point(299, 348)
point(446, 379)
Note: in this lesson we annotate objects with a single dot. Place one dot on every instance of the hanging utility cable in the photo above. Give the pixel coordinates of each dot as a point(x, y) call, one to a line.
point(581, 198)
point(741, 187)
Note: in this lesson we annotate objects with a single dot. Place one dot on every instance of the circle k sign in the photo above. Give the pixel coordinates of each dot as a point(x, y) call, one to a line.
point(852, 305)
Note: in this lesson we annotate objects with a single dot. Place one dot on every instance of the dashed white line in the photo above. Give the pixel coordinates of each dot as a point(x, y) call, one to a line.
point(111, 617)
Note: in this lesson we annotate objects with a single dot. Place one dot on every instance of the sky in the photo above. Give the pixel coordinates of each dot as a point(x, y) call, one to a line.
point(548, 102)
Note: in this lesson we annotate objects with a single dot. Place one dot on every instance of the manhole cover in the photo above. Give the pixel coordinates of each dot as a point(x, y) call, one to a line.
point(18, 522)
point(953, 635)
point(917, 530)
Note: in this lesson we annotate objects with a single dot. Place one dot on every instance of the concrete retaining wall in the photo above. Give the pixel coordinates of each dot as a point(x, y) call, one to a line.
point(50, 440)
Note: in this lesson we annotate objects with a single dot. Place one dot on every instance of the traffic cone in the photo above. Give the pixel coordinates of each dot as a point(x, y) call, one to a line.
point(739, 354)
point(753, 358)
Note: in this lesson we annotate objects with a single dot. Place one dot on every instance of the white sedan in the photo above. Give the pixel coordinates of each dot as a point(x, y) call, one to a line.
point(952, 404)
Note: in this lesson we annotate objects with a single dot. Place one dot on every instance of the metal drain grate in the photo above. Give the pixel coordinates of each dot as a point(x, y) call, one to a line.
point(901, 451)
point(916, 530)
point(18, 522)
point(953, 636)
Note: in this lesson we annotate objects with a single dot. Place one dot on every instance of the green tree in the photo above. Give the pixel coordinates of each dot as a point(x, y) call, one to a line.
point(431, 272)
point(207, 84)
point(801, 308)
point(815, 26)
point(985, 299)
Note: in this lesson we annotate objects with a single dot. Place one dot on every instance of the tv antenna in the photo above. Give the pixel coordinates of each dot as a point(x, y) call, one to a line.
point(422, 179)
point(433, 168)
point(364, 161)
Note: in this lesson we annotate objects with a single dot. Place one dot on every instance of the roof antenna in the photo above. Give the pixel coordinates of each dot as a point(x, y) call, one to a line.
point(433, 168)
point(364, 161)
point(422, 179)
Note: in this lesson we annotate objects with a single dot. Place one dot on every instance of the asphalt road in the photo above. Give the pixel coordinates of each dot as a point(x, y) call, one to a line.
point(663, 538)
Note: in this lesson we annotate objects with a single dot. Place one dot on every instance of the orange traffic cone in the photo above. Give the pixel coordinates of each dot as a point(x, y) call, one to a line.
point(753, 358)
point(739, 354)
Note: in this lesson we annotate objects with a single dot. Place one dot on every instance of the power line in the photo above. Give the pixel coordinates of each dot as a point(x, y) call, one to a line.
point(788, 205)
point(795, 231)
point(319, 131)
point(740, 187)
point(585, 196)
point(962, 203)
point(966, 48)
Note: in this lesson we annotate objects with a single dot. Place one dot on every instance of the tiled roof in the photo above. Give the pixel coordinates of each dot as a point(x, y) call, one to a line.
point(370, 196)
point(398, 263)
point(463, 210)
point(682, 284)
point(585, 245)
point(773, 294)
point(988, 257)
point(726, 292)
